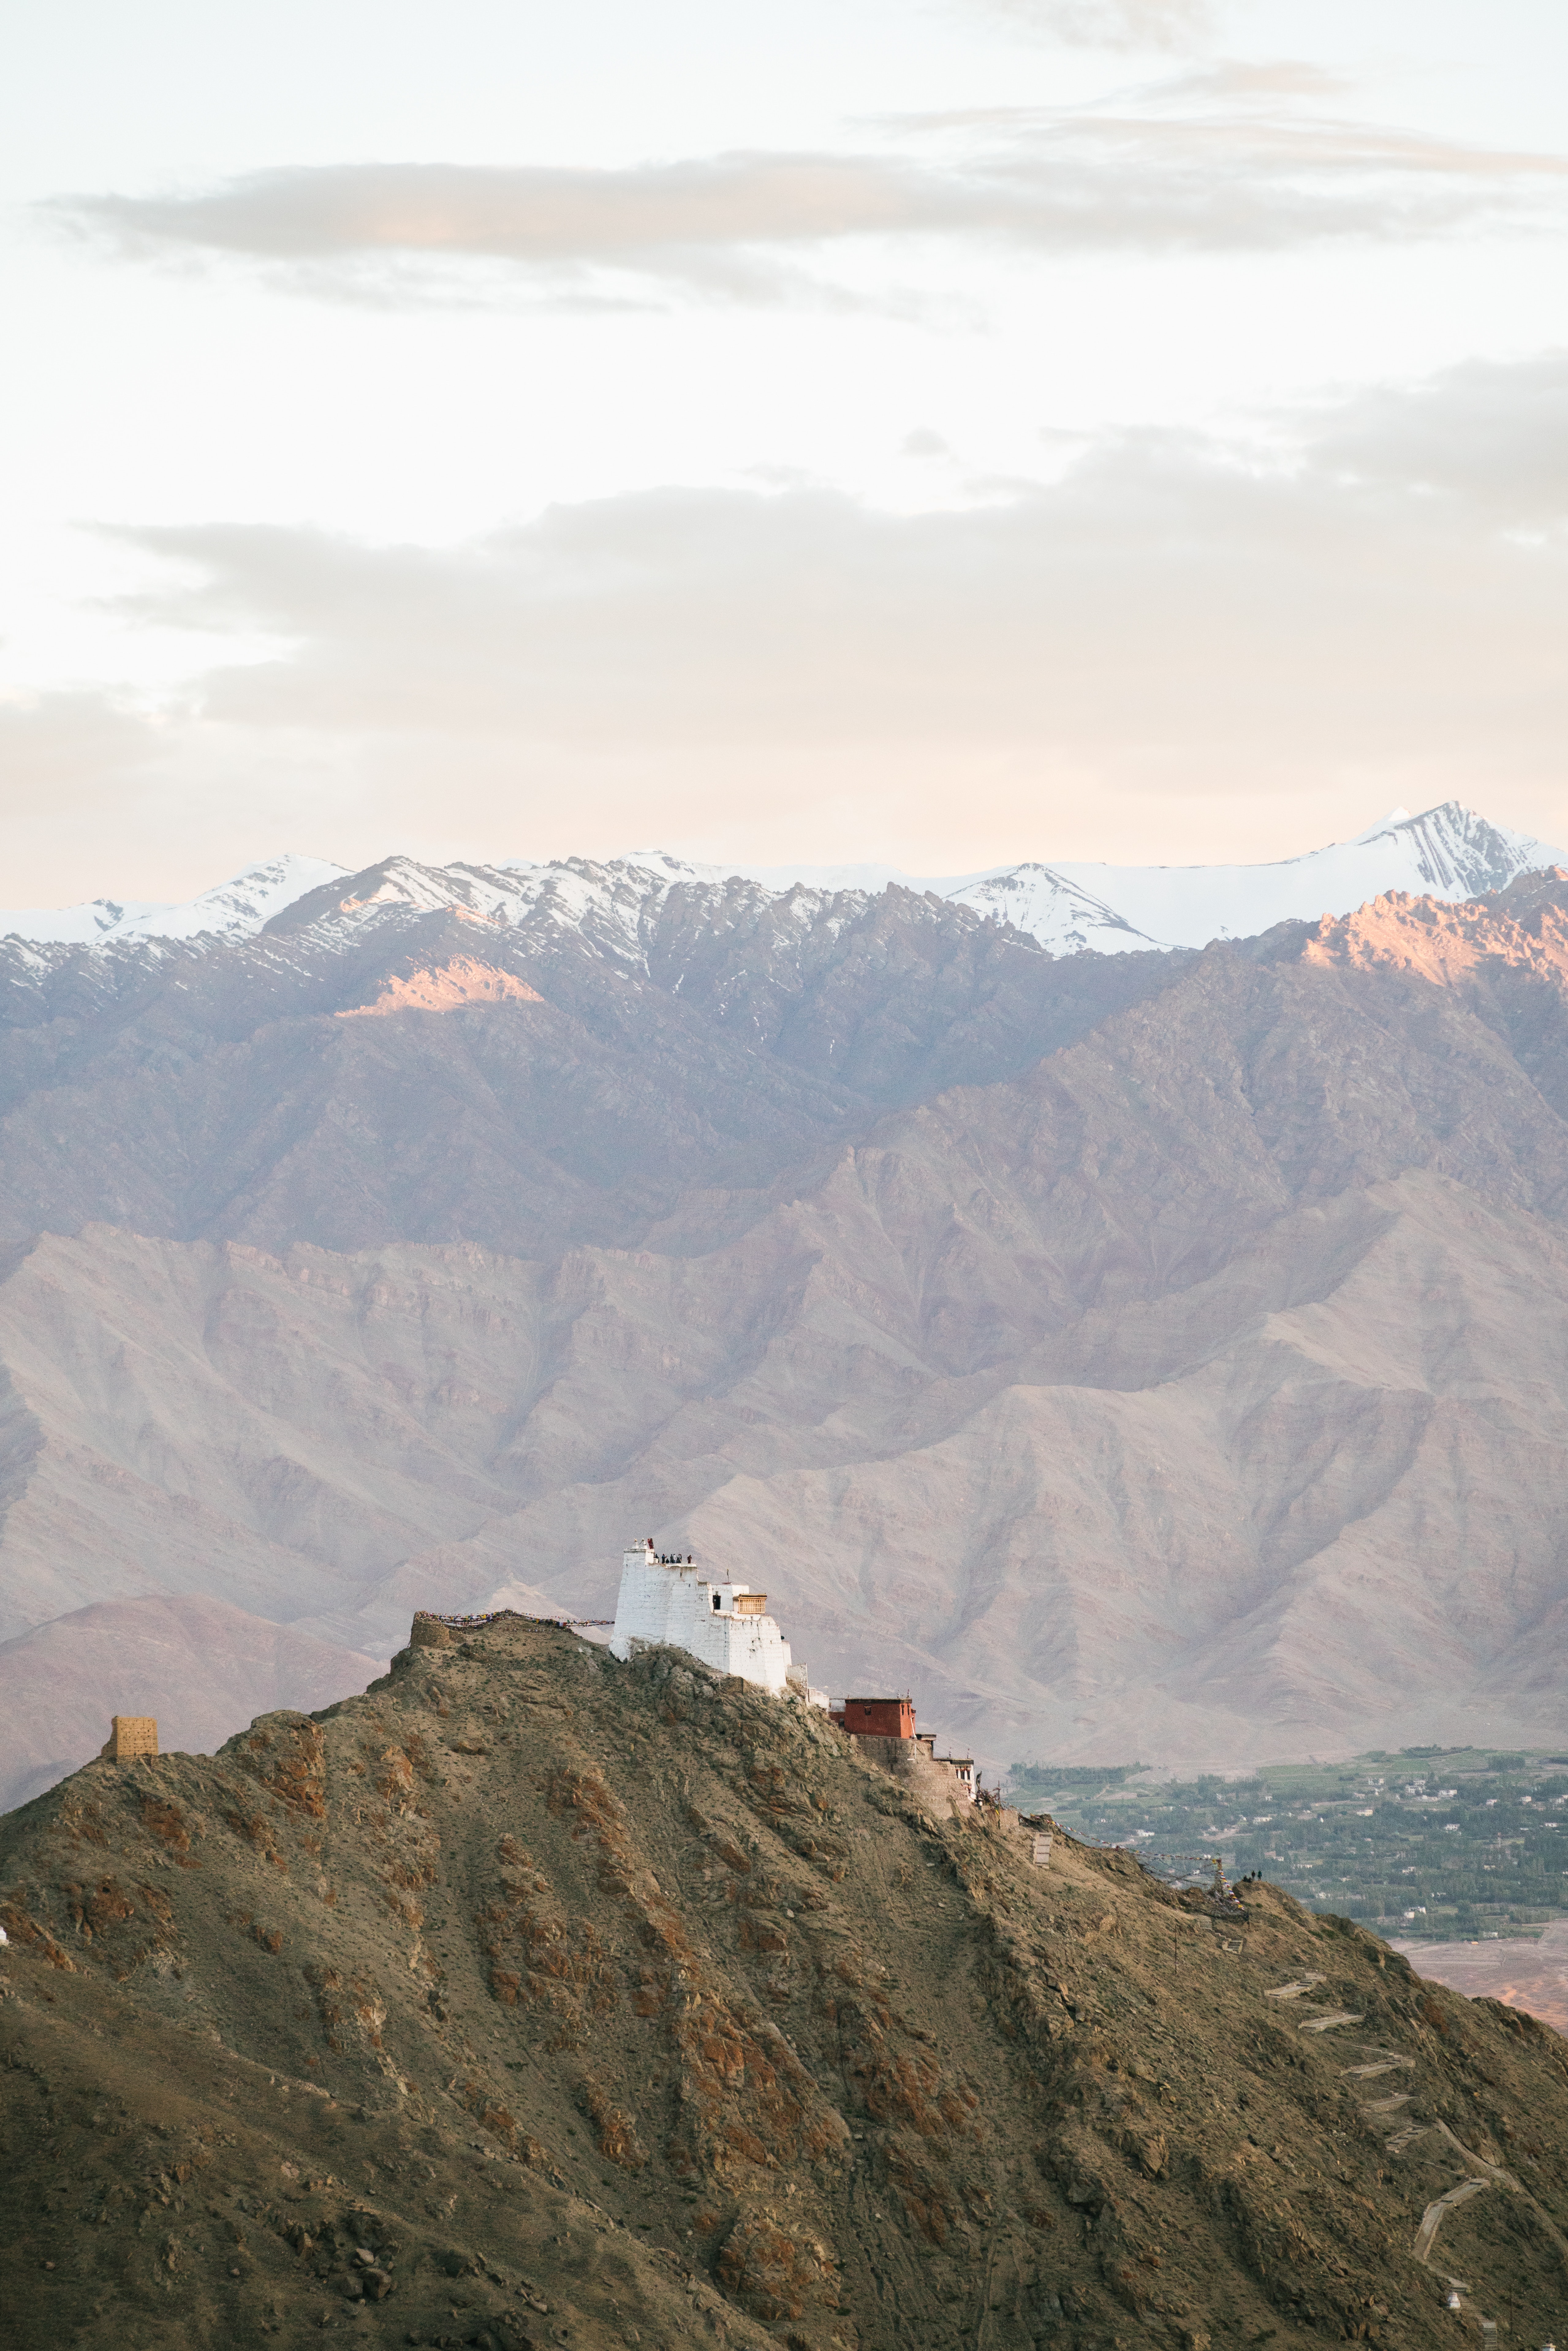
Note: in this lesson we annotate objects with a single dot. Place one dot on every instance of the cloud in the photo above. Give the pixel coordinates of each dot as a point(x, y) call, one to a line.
point(1487, 438)
point(1255, 81)
point(1144, 656)
point(1224, 159)
point(105, 797)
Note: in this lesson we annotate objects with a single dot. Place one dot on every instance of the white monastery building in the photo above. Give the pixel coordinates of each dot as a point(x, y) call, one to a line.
point(725, 1624)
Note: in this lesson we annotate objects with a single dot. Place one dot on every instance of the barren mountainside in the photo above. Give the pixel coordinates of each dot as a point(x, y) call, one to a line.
point(1155, 1354)
point(530, 1998)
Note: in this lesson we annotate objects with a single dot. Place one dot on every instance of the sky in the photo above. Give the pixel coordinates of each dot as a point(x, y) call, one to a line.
point(938, 436)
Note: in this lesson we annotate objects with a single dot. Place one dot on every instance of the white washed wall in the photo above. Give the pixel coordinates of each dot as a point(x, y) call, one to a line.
point(675, 1604)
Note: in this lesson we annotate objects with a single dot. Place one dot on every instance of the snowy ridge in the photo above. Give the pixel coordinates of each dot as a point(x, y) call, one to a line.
point(1072, 909)
point(615, 905)
point(1447, 852)
point(237, 908)
point(608, 904)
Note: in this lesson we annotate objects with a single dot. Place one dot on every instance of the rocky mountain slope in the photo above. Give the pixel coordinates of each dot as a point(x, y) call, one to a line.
point(1150, 1352)
point(530, 1998)
point(668, 1043)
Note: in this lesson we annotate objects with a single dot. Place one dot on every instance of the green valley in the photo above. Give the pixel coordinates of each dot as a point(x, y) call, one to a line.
point(1430, 1843)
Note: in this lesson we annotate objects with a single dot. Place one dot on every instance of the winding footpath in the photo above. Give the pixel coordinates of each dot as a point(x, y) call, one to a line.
point(1479, 2175)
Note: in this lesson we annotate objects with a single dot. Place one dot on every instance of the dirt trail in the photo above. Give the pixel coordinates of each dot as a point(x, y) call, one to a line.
point(1481, 2175)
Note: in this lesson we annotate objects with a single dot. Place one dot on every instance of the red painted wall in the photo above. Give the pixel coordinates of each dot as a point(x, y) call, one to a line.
point(879, 1718)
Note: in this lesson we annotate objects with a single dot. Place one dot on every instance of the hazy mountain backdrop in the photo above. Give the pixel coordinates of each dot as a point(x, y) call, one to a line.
point(1159, 1353)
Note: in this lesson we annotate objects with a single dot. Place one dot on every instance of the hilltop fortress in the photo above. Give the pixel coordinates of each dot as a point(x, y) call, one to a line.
point(663, 1600)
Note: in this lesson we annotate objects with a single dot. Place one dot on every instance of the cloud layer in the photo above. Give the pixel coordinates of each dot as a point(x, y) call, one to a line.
point(1147, 647)
point(1224, 161)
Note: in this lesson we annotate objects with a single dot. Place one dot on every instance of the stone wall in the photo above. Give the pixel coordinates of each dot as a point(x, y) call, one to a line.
point(130, 1735)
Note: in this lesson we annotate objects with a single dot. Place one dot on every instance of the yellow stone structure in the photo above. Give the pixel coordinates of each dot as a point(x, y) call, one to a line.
point(130, 1734)
point(430, 1632)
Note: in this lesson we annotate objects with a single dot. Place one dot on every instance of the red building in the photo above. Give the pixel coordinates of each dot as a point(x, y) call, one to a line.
point(879, 1718)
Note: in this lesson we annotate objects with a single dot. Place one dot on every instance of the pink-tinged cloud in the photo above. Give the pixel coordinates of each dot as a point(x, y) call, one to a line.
point(1225, 159)
point(1163, 638)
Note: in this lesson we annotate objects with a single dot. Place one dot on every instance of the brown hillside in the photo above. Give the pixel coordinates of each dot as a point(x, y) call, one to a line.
point(605, 2004)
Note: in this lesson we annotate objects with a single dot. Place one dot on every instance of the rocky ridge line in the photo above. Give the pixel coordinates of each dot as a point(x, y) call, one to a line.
point(559, 1968)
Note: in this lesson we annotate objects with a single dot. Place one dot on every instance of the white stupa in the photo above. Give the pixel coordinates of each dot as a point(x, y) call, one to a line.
point(725, 1624)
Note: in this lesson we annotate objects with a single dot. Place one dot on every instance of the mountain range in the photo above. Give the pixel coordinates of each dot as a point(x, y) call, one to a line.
point(1447, 852)
point(1156, 1353)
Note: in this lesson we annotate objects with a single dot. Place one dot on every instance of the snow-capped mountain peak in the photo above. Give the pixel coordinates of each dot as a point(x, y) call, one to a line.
point(239, 907)
point(1447, 851)
point(1456, 852)
point(608, 902)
